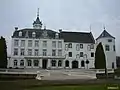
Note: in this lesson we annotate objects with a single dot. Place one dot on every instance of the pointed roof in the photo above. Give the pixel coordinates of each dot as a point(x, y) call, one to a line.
point(105, 34)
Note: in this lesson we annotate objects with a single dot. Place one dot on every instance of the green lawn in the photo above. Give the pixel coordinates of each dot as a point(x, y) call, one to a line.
point(93, 87)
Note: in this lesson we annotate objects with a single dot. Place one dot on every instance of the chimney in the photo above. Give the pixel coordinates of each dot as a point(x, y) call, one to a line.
point(16, 28)
point(60, 30)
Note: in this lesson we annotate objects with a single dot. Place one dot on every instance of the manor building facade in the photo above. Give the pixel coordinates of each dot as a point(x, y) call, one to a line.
point(44, 48)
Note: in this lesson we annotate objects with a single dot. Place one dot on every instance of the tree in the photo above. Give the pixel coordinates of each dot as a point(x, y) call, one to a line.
point(3, 53)
point(100, 60)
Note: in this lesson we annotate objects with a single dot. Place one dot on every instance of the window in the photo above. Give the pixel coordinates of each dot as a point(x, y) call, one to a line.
point(29, 52)
point(77, 56)
point(16, 42)
point(66, 47)
point(66, 63)
point(59, 63)
point(59, 44)
point(89, 47)
point(70, 54)
point(113, 47)
point(82, 63)
point(22, 52)
point(53, 62)
point(29, 63)
point(81, 54)
point(36, 43)
point(54, 44)
point(29, 43)
point(92, 46)
point(107, 47)
point(36, 62)
point(70, 45)
point(109, 40)
point(44, 43)
point(33, 34)
point(92, 54)
point(15, 62)
point(36, 52)
point(53, 52)
point(15, 51)
point(44, 52)
point(21, 62)
point(77, 47)
point(81, 46)
point(22, 43)
point(59, 52)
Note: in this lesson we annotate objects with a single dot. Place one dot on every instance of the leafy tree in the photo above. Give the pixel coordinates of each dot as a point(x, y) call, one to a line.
point(3, 53)
point(100, 60)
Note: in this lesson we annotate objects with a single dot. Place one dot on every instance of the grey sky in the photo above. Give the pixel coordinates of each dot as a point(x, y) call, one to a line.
point(73, 15)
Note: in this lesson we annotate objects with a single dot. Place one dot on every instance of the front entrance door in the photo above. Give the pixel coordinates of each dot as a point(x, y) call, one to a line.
point(44, 63)
point(74, 64)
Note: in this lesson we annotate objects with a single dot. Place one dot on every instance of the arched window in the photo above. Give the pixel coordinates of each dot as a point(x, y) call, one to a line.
point(36, 62)
point(59, 63)
point(82, 63)
point(29, 63)
point(15, 62)
point(66, 63)
point(53, 62)
point(20, 33)
point(21, 62)
point(33, 34)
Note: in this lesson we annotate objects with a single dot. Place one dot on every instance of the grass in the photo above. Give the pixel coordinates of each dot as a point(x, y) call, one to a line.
point(87, 87)
point(55, 85)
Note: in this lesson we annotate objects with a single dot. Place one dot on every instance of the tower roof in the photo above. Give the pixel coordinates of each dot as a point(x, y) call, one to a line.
point(105, 34)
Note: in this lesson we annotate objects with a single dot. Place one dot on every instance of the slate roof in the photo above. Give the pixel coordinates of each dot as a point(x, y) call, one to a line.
point(78, 37)
point(38, 32)
point(105, 34)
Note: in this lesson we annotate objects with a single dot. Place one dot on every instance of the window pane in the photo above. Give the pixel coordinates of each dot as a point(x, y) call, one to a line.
point(70, 54)
point(70, 45)
point(36, 43)
point(53, 62)
point(21, 62)
point(59, 63)
point(81, 46)
point(92, 54)
point(36, 52)
point(36, 62)
point(59, 44)
point(16, 42)
point(81, 54)
point(29, 43)
point(77, 47)
point(59, 52)
point(29, 52)
point(15, 51)
point(53, 52)
point(22, 43)
point(54, 44)
point(44, 52)
point(44, 43)
point(22, 52)
point(107, 47)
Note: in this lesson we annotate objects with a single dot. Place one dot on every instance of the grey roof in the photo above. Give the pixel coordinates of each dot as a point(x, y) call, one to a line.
point(37, 21)
point(105, 34)
point(78, 37)
point(39, 32)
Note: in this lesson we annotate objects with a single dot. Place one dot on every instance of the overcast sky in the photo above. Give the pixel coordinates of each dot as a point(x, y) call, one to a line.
point(72, 15)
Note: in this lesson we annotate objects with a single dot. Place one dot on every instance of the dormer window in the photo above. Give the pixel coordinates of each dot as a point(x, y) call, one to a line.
point(33, 34)
point(56, 35)
point(20, 33)
point(109, 40)
point(70, 45)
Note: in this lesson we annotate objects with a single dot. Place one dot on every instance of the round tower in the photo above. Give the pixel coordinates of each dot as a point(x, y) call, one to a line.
point(108, 42)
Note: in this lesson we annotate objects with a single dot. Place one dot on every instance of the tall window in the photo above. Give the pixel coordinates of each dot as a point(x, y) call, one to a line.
point(81, 54)
point(36, 62)
point(36, 52)
point(29, 43)
point(44, 43)
point(59, 52)
point(53, 52)
point(70, 45)
point(15, 62)
point(113, 47)
point(107, 47)
point(70, 54)
point(89, 47)
point(81, 46)
point(59, 63)
point(77, 47)
point(66, 63)
point(44, 52)
point(92, 54)
point(36, 43)
point(53, 62)
point(21, 62)
point(22, 43)
point(66, 47)
point(54, 44)
point(59, 44)
point(77, 56)
point(22, 52)
point(15, 51)
point(30, 52)
point(16, 42)
point(92, 46)
point(29, 63)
